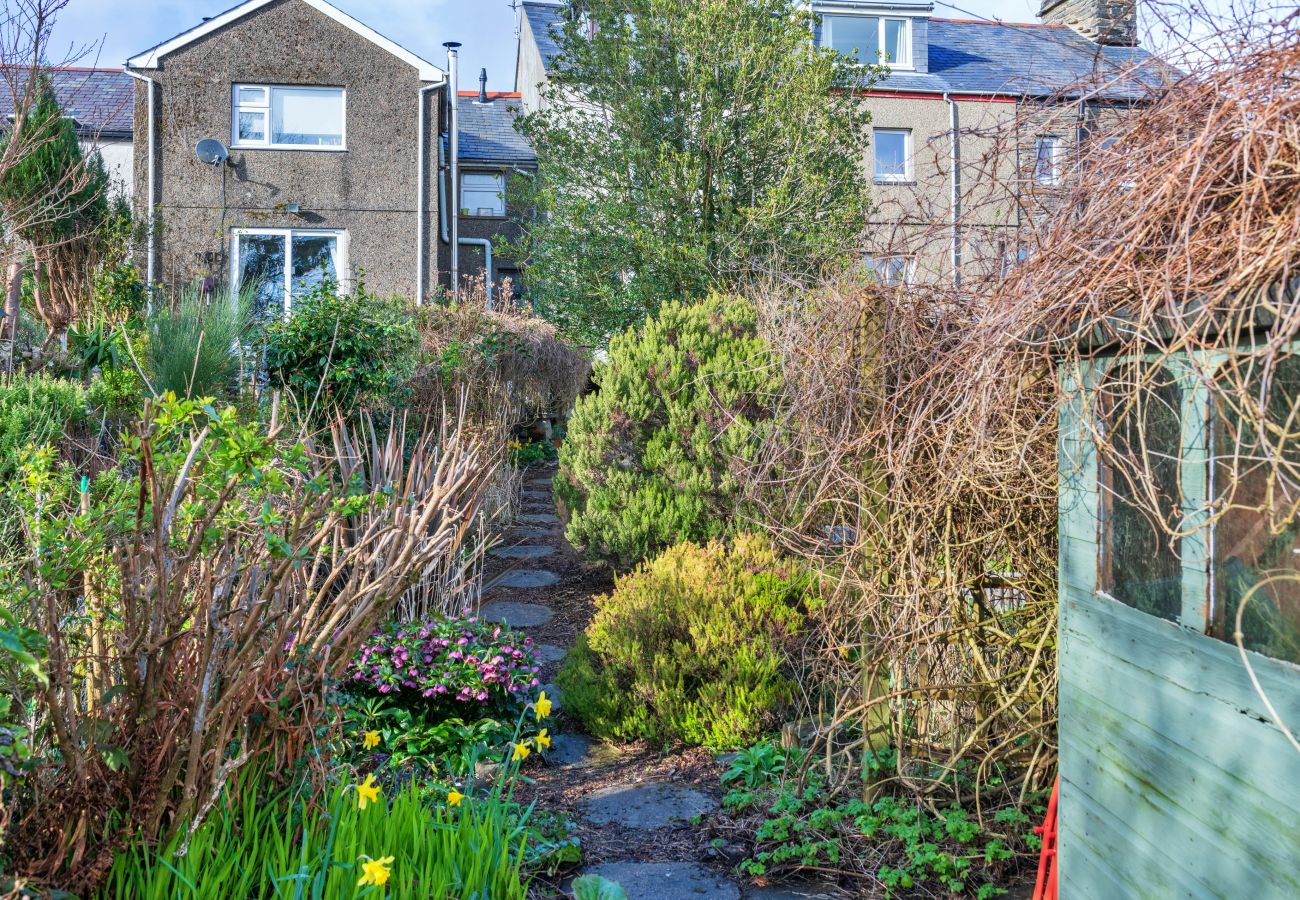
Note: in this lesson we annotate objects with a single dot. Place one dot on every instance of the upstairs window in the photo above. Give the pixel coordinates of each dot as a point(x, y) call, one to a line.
point(869, 39)
point(289, 117)
point(1047, 160)
point(893, 154)
point(482, 194)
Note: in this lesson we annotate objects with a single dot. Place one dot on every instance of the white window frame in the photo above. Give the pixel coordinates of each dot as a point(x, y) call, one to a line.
point(878, 266)
point(269, 105)
point(289, 234)
point(908, 176)
point(501, 199)
point(1053, 174)
point(828, 28)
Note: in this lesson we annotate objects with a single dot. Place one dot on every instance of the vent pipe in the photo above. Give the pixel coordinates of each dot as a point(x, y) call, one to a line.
point(482, 86)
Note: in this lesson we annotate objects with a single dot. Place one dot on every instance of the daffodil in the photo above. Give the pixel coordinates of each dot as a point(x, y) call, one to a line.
point(376, 871)
point(371, 740)
point(367, 792)
point(542, 706)
point(521, 752)
point(543, 739)
point(454, 798)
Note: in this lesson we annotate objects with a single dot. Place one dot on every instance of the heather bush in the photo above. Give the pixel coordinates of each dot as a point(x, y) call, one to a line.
point(654, 457)
point(691, 647)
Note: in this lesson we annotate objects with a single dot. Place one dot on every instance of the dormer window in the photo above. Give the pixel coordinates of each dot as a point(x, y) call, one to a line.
point(870, 39)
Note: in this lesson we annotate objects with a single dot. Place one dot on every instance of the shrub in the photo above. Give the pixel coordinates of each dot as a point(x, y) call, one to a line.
point(192, 343)
point(34, 410)
point(690, 647)
point(651, 458)
point(349, 349)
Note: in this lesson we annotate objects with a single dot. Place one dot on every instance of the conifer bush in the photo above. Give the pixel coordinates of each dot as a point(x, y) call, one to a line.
point(692, 647)
point(653, 457)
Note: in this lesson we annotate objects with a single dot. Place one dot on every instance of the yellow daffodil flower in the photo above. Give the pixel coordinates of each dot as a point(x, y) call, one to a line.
point(542, 706)
point(454, 798)
point(367, 792)
point(543, 740)
point(371, 740)
point(521, 752)
point(376, 871)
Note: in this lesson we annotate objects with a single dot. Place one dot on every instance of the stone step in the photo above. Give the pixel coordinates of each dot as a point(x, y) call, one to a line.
point(523, 551)
point(649, 805)
point(516, 615)
point(538, 495)
point(527, 578)
point(539, 519)
point(528, 534)
point(667, 881)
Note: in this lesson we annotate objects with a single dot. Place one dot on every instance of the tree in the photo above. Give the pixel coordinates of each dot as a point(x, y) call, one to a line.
point(685, 145)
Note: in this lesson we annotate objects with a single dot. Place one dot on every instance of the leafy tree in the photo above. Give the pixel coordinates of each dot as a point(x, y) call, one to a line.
point(685, 145)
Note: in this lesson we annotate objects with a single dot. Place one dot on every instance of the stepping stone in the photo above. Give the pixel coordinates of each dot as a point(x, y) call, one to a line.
point(523, 552)
point(539, 519)
point(794, 891)
point(578, 751)
point(667, 881)
point(530, 534)
point(646, 806)
point(554, 694)
point(549, 653)
point(516, 615)
point(527, 578)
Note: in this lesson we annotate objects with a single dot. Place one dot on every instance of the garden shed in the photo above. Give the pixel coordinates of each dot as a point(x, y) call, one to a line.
point(1180, 610)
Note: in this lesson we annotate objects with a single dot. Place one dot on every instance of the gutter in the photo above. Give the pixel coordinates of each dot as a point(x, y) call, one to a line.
point(150, 84)
point(421, 258)
point(954, 160)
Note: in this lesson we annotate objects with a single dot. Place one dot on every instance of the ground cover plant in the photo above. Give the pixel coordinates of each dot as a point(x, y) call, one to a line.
point(657, 454)
point(691, 647)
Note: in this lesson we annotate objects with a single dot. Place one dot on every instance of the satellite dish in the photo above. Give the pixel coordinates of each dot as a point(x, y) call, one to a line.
point(214, 153)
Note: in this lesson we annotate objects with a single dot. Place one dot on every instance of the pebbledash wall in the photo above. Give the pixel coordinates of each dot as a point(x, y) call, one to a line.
point(368, 189)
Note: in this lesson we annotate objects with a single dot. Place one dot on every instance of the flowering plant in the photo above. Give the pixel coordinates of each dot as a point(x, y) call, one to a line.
point(457, 659)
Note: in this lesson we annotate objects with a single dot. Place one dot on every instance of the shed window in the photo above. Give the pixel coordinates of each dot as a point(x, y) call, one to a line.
point(869, 39)
point(1141, 497)
point(1257, 535)
point(893, 154)
point(289, 117)
point(1047, 160)
point(483, 194)
point(280, 266)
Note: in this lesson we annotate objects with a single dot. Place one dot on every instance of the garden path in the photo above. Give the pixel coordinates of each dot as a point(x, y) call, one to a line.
point(643, 819)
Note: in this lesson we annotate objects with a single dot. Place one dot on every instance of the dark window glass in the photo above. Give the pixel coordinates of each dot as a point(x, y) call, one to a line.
point(261, 269)
point(1141, 500)
point(1257, 482)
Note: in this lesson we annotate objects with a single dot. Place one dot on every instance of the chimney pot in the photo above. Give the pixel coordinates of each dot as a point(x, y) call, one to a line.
point(482, 86)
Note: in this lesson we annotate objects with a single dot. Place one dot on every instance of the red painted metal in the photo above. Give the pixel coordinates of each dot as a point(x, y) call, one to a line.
point(1045, 884)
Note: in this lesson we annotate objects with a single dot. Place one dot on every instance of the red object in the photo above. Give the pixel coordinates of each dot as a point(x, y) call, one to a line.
point(1045, 884)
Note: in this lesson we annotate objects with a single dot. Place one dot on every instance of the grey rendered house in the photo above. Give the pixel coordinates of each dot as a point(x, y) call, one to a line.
point(951, 82)
point(338, 157)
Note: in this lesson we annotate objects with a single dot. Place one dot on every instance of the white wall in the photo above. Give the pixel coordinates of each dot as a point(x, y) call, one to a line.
point(118, 159)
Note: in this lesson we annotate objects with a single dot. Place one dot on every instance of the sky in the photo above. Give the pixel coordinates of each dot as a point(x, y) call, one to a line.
point(110, 31)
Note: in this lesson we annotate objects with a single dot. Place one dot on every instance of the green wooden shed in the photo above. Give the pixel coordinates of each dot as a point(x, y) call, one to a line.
point(1179, 774)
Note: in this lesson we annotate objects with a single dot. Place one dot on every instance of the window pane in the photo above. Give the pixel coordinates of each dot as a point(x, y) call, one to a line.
point(252, 126)
point(307, 116)
point(1045, 170)
point(891, 270)
point(857, 36)
point(1141, 407)
point(483, 195)
point(261, 271)
point(891, 155)
point(315, 261)
point(1255, 555)
point(252, 95)
point(896, 48)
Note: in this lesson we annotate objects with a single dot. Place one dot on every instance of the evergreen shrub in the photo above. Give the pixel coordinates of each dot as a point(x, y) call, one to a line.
point(653, 457)
point(691, 647)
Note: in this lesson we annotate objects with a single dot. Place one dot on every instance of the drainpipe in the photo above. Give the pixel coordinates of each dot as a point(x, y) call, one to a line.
point(149, 84)
point(488, 282)
point(954, 161)
point(442, 188)
point(453, 90)
point(421, 199)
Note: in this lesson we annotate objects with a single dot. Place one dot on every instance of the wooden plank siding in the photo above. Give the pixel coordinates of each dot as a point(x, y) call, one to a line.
point(1175, 781)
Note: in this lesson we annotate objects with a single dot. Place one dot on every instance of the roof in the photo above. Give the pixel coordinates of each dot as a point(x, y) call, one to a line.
point(487, 130)
point(102, 101)
point(978, 57)
point(150, 59)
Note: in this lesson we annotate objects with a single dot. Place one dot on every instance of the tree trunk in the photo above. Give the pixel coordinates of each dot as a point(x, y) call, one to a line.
point(13, 306)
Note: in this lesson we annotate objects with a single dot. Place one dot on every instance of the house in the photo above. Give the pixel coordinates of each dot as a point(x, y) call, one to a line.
point(951, 84)
point(99, 102)
point(283, 143)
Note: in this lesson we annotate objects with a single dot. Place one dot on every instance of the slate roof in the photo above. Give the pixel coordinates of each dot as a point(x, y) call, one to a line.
point(976, 57)
point(487, 130)
point(102, 101)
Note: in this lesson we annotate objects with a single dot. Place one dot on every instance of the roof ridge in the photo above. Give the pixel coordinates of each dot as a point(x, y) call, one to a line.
point(997, 22)
point(106, 70)
point(494, 95)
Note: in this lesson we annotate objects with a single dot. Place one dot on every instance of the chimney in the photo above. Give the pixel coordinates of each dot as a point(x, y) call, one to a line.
point(482, 86)
point(1111, 22)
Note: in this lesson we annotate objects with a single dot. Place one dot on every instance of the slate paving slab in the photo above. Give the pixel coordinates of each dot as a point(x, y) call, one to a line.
point(550, 653)
point(797, 891)
point(539, 519)
point(538, 495)
point(577, 751)
point(517, 615)
point(529, 534)
point(648, 805)
point(523, 551)
point(527, 578)
point(540, 484)
point(668, 881)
